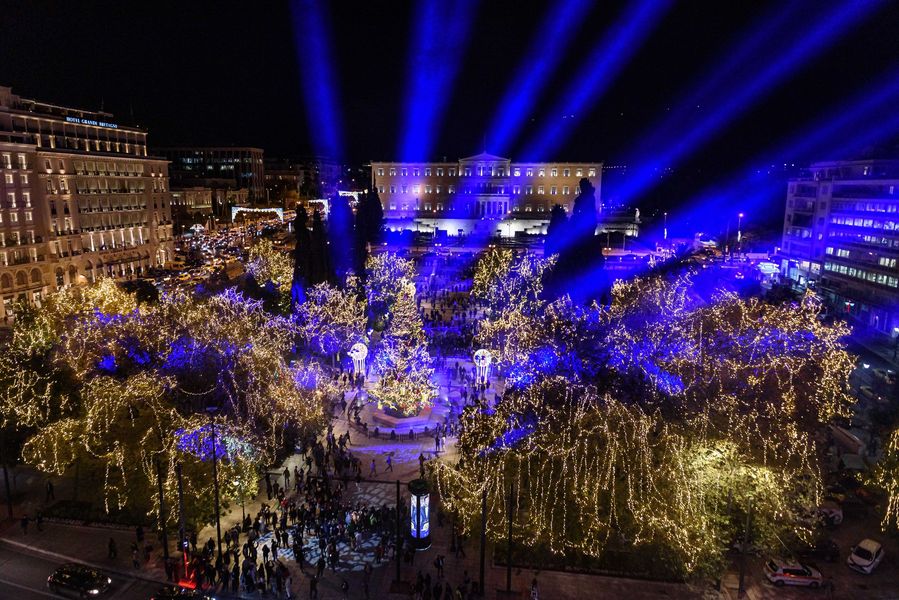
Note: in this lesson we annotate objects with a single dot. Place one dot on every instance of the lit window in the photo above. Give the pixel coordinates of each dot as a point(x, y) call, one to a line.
point(541, 173)
point(554, 173)
point(416, 172)
point(579, 173)
point(427, 189)
point(380, 189)
point(452, 172)
point(26, 197)
point(501, 172)
point(405, 189)
point(11, 199)
point(438, 189)
point(22, 162)
point(28, 216)
point(566, 172)
point(393, 189)
point(517, 172)
point(416, 189)
point(451, 189)
point(530, 172)
point(404, 172)
point(13, 218)
point(529, 189)
point(591, 173)
point(8, 178)
point(540, 189)
point(24, 178)
point(516, 189)
point(392, 172)
point(565, 189)
point(427, 171)
point(439, 171)
point(381, 172)
point(552, 190)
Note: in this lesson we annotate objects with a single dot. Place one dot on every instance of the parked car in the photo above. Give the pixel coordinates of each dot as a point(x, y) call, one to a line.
point(865, 556)
point(172, 592)
point(78, 580)
point(831, 513)
point(824, 549)
point(782, 573)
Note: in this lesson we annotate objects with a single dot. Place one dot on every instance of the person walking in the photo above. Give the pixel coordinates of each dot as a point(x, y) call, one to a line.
point(373, 470)
point(389, 462)
point(320, 565)
point(535, 593)
point(313, 588)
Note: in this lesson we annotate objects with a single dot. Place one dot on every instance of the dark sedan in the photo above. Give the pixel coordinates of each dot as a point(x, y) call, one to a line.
point(825, 549)
point(79, 581)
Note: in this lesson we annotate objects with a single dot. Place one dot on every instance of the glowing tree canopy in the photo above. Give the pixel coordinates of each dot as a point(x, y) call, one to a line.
point(331, 318)
point(268, 264)
point(652, 422)
point(110, 383)
point(404, 377)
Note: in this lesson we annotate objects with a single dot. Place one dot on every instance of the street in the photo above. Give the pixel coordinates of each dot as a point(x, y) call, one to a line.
point(23, 576)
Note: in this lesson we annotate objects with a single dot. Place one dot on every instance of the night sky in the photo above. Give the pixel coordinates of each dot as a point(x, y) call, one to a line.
point(227, 73)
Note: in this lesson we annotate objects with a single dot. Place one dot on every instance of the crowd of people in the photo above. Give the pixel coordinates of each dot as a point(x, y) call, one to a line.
point(311, 517)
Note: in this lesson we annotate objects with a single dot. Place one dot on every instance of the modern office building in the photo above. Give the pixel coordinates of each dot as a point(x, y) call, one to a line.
point(479, 193)
point(237, 168)
point(79, 198)
point(841, 238)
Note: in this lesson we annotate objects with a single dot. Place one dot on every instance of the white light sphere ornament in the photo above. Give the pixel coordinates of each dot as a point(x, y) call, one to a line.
point(482, 361)
point(358, 352)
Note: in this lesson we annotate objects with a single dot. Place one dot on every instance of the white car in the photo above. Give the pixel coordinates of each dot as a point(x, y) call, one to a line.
point(865, 556)
point(782, 573)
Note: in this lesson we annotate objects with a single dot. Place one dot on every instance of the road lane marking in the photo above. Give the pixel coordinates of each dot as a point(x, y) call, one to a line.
point(28, 589)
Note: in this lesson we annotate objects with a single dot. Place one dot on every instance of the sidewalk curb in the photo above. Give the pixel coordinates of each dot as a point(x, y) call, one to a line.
point(65, 558)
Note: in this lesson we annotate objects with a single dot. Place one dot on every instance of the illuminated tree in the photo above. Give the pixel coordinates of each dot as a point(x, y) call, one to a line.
point(332, 319)
point(273, 271)
point(123, 380)
point(886, 476)
point(385, 277)
point(404, 376)
point(653, 422)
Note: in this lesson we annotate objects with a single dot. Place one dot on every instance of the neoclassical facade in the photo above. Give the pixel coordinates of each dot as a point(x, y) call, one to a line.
point(79, 199)
point(483, 187)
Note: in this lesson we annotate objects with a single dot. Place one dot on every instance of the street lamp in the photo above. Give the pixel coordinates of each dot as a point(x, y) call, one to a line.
point(665, 230)
point(739, 234)
point(215, 481)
